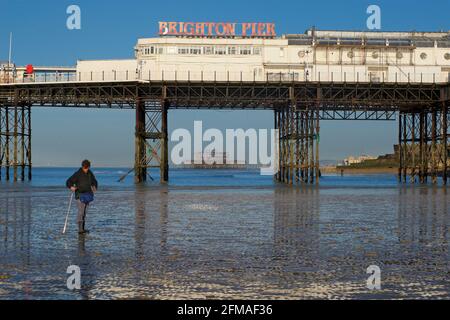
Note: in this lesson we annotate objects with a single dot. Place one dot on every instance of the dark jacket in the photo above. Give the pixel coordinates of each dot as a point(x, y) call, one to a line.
point(82, 181)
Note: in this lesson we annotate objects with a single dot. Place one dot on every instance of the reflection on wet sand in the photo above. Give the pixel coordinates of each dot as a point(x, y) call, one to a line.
point(296, 214)
point(15, 222)
point(271, 242)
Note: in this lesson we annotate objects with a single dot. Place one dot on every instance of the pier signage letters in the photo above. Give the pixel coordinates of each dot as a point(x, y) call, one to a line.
point(217, 29)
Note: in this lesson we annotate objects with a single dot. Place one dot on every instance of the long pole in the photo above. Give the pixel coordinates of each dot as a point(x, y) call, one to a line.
point(68, 211)
point(10, 47)
point(10, 56)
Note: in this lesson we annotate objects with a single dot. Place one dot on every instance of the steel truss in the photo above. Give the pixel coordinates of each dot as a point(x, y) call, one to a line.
point(299, 136)
point(218, 95)
point(298, 145)
point(151, 139)
point(15, 142)
point(298, 106)
point(357, 115)
point(423, 144)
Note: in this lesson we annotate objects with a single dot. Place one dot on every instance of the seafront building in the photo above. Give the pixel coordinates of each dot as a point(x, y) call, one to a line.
point(355, 160)
point(316, 55)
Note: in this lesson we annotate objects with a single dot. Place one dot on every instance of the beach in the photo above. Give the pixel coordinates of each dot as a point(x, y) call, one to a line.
point(232, 234)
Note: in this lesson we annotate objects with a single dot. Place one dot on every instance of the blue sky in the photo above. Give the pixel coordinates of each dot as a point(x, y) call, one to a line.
point(110, 30)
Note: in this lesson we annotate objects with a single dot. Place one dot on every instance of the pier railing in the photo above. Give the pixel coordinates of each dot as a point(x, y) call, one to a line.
point(231, 76)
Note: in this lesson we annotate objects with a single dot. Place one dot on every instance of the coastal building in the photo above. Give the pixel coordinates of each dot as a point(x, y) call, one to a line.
point(213, 159)
point(29, 73)
point(316, 55)
point(7, 72)
point(355, 160)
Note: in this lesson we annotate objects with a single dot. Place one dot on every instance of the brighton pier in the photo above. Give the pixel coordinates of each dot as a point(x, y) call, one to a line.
point(304, 79)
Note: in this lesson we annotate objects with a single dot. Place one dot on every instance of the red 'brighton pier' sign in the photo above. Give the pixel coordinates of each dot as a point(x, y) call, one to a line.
point(217, 29)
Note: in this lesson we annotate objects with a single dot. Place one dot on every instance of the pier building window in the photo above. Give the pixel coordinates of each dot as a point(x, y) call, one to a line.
point(447, 56)
point(220, 50)
point(149, 50)
point(245, 51)
point(183, 50)
point(208, 50)
point(283, 76)
point(196, 50)
point(232, 50)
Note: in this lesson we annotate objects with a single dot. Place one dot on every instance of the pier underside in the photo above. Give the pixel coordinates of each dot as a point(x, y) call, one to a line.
point(299, 107)
point(298, 145)
point(151, 140)
point(424, 144)
point(15, 142)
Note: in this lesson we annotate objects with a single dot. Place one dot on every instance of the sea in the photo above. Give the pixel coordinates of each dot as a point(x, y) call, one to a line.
point(225, 234)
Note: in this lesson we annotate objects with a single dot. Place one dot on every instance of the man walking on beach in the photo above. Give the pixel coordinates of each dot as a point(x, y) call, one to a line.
point(84, 184)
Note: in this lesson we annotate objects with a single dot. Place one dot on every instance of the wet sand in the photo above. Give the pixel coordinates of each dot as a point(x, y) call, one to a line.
point(269, 242)
point(374, 170)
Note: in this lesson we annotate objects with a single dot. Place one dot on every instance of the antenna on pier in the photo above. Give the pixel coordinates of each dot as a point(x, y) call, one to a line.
point(10, 50)
point(8, 69)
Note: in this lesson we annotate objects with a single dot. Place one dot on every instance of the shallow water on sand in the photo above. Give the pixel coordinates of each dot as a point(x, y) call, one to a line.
point(225, 234)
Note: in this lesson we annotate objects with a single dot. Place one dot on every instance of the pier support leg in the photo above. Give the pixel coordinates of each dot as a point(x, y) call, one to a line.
point(15, 142)
point(164, 143)
point(2, 146)
point(422, 152)
point(433, 150)
point(286, 112)
point(301, 133)
point(307, 151)
point(409, 120)
point(400, 147)
point(28, 148)
point(1, 141)
point(298, 142)
point(311, 146)
point(277, 127)
point(151, 139)
point(444, 141)
point(297, 147)
point(317, 133)
point(305, 141)
point(140, 163)
point(292, 142)
point(404, 148)
point(7, 138)
point(413, 149)
point(423, 144)
point(282, 144)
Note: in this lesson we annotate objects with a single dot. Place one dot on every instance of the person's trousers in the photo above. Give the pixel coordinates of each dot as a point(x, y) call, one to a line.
point(82, 210)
